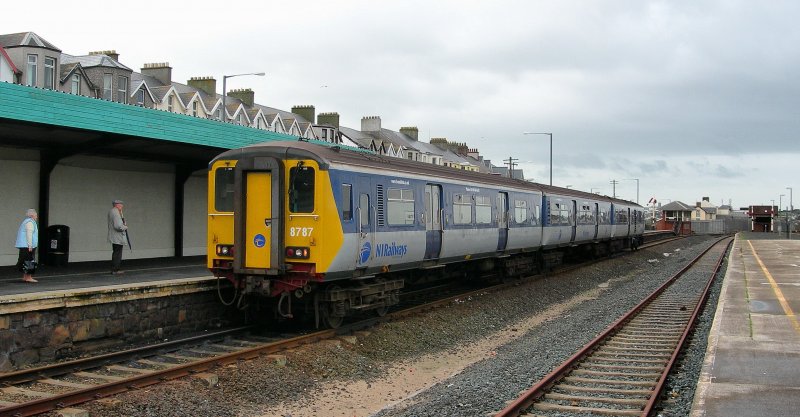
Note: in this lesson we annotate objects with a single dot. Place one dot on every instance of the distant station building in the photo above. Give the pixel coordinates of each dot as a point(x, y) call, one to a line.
point(762, 218)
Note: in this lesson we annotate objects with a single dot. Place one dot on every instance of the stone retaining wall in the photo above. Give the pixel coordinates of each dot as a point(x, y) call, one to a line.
point(31, 335)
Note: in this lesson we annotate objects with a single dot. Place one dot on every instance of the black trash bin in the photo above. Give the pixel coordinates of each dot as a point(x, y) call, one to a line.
point(58, 245)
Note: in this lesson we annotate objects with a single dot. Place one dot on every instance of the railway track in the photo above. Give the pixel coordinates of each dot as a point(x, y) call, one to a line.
point(38, 390)
point(622, 371)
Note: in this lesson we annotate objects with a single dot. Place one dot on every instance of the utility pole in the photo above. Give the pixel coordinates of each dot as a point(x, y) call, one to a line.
point(511, 165)
point(614, 188)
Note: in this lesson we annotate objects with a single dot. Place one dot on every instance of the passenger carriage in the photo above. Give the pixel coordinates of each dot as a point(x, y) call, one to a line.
point(333, 231)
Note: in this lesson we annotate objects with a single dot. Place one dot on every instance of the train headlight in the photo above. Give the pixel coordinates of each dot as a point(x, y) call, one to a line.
point(224, 250)
point(295, 252)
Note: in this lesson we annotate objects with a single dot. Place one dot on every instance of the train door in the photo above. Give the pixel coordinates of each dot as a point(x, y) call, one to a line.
point(433, 221)
point(573, 220)
point(630, 220)
point(257, 220)
point(258, 231)
point(502, 220)
point(596, 220)
point(365, 229)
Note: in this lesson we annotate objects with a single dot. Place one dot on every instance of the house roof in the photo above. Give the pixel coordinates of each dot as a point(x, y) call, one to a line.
point(16, 40)
point(10, 62)
point(677, 206)
point(89, 61)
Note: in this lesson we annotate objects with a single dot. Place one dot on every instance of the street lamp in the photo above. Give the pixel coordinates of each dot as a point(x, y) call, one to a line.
point(224, 89)
point(637, 187)
point(551, 150)
point(791, 207)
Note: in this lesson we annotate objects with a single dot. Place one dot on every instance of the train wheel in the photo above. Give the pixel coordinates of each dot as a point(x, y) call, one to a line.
point(333, 313)
point(381, 311)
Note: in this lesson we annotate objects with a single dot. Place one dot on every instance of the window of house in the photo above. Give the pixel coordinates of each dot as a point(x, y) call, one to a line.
point(107, 81)
point(520, 211)
point(240, 119)
point(75, 84)
point(170, 103)
point(301, 189)
point(462, 209)
point(122, 89)
point(219, 113)
point(400, 205)
point(31, 69)
point(347, 202)
point(483, 209)
point(324, 134)
point(410, 155)
point(194, 108)
point(49, 73)
point(140, 97)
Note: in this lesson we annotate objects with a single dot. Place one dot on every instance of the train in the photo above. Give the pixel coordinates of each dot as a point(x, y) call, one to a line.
point(332, 231)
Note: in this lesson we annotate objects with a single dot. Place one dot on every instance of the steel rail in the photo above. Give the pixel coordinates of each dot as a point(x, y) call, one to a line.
point(526, 399)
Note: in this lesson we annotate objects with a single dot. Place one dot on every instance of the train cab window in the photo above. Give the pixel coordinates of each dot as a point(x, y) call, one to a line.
point(223, 189)
point(347, 202)
point(483, 209)
point(520, 211)
point(462, 209)
point(301, 189)
point(400, 205)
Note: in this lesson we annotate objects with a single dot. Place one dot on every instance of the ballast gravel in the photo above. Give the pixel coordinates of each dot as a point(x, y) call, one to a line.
point(427, 365)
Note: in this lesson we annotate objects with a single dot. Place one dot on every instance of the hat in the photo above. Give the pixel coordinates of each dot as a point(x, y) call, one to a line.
point(117, 202)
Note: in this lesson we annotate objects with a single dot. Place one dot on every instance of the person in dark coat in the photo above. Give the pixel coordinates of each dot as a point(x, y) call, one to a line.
point(116, 235)
point(27, 242)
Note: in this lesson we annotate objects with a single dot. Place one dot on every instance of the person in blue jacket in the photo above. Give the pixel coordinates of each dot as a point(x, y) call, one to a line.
point(27, 242)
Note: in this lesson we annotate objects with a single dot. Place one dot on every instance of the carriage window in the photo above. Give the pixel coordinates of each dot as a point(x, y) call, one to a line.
point(622, 217)
point(400, 203)
point(301, 189)
point(347, 202)
point(462, 209)
point(223, 189)
point(520, 211)
point(559, 214)
point(537, 211)
point(483, 209)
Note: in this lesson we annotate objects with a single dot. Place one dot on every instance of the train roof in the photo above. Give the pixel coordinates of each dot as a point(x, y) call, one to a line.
point(326, 154)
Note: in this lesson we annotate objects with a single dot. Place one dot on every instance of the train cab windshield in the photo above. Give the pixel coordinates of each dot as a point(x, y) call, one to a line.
point(223, 189)
point(301, 189)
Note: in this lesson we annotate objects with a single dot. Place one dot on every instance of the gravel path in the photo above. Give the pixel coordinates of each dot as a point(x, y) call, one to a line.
point(439, 363)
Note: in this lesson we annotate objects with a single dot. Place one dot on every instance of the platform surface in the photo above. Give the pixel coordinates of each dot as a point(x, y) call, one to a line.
point(752, 364)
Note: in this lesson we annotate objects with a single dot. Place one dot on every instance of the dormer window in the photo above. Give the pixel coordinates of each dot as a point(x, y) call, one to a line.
point(219, 113)
point(194, 108)
point(240, 119)
point(170, 102)
point(31, 69)
point(140, 97)
point(75, 84)
point(107, 88)
point(49, 73)
point(122, 89)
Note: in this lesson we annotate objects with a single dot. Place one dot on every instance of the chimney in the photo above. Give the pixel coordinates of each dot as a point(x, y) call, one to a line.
point(371, 124)
point(328, 119)
point(410, 131)
point(306, 112)
point(207, 84)
point(697, 204)
point(245, 94)
point(473, 152)
point(111, 54)
point(706, 199)
point(160, 71)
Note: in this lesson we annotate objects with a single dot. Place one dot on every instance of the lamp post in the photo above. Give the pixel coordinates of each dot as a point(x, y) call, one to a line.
point(773, 214)
point(637, 187)
point(551, 150)
point(224, 90)
point(790, 213)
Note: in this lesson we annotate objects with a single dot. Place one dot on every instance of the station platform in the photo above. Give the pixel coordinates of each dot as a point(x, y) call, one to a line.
point(93, 283)
point(752, 363)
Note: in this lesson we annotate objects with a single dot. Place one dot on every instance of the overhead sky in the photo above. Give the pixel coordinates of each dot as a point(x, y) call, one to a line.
point(692, 98)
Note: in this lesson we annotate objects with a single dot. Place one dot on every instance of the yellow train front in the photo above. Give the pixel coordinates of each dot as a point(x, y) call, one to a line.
point(274, 231)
